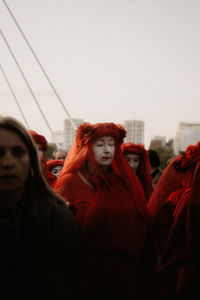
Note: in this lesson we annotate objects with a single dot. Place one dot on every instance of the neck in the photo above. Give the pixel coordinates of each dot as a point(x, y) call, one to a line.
point(100, 169)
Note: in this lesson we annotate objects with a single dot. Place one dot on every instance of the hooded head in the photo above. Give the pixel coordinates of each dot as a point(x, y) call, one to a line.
point(143, 169)
point(178, 174)
point(41, 146)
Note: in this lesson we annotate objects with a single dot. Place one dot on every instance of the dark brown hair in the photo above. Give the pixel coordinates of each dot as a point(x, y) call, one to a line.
point(37, 188)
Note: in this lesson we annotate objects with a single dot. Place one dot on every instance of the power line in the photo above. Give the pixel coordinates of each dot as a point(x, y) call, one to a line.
point(14, 96)
point(26, 81)
point(40, 65)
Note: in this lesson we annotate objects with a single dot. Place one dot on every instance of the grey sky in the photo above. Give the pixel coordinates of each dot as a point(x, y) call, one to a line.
point(110, 60)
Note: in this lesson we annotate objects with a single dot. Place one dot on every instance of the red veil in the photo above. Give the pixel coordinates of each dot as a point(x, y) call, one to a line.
point(179, 271)
point(81, 151)
point(112, 215)
point(41, 140)
point(143, 172)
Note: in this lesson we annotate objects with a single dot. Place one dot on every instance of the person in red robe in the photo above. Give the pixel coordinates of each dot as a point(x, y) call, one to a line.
point(177, 175)
point(53, 167)
point(175, 180)
point(137, 157)
point(41, 147)
point(110, 209)
point(179, 267)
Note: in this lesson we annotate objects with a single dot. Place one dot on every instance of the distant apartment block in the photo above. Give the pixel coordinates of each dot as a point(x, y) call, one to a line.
point(135, 131)
point(58, 139)
point(69, 132)
point(187, 134)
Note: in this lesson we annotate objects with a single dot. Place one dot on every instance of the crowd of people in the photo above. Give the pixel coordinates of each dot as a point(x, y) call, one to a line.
point(102, 221)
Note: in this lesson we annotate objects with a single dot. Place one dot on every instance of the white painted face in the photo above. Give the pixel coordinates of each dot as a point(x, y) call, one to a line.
point(55, 171)
point(104, 149)
point(133, 160)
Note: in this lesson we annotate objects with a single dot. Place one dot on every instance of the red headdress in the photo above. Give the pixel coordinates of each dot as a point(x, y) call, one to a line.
point(39, 139)
point(81, 151)
point(178, 174)
point(143, 171)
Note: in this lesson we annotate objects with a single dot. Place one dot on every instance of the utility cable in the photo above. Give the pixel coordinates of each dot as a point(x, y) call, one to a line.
point(41, 67)
point(14, 96)
point(26, 81)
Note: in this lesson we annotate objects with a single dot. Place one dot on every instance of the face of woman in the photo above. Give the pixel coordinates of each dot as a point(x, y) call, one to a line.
point(104, 149)
point(14, 161)
point(133, 161)
point(55, 171)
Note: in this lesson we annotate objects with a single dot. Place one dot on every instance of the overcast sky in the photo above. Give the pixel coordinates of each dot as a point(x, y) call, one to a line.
point(110, 60)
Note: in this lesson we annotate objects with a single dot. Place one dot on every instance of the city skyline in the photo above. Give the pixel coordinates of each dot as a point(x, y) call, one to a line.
point(110, 61)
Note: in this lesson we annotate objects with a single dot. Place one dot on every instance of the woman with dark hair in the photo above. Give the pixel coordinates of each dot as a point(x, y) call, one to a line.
point(155, 163)
point(138, 159)
point(38, 253)
point(108, 202)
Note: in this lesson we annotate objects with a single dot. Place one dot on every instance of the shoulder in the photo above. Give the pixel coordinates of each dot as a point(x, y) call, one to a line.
point(58, 219)
point(183, 202)
point(63, 217)
point(65, 184)
point(67, 178)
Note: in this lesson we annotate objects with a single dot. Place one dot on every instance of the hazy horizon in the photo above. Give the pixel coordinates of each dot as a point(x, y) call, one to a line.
point(109, 60)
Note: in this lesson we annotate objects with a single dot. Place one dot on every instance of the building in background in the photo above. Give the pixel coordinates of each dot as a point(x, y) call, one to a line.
point(69, 132)
point(135, 131)
point(58, 139)
point(187, 134)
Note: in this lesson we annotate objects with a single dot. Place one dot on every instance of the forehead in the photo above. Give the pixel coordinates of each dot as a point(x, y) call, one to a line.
point(59, 153)
point(10, 138)
point(105, 139)
point(132, 156)
point(58, 167)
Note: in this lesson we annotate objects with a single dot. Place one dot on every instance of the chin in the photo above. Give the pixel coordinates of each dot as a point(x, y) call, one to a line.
point(10, 188)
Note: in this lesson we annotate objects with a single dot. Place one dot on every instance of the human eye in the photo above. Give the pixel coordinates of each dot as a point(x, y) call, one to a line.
point(99, 143)
point(18, 151)
point(111, 142)
point(2, 152)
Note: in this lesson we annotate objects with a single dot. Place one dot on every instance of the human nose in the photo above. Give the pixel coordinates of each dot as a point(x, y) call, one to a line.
point(106, 148)
point(132, 164)
point(7, 160)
